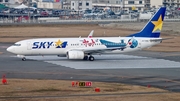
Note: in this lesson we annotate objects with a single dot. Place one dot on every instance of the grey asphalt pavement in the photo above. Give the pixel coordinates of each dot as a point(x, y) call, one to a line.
point(167, 78)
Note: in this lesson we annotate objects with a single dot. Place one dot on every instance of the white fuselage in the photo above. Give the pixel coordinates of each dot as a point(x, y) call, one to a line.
point(49, 46)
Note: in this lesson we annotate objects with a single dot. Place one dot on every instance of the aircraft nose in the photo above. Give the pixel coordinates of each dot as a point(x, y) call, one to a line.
point(10, 49)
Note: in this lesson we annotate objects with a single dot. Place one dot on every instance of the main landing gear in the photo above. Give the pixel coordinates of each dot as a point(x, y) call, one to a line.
point(91, 58)
point(85, 58)
point(23, 59)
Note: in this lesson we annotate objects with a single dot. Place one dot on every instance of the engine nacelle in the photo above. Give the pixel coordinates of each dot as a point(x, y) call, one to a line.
point(75, 54)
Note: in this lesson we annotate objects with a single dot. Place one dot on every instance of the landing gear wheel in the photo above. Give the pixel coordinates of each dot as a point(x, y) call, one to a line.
point(85, 58)
point(91, 58)
point(23, 59)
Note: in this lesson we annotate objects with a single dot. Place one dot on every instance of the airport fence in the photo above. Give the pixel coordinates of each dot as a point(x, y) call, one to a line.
point(56, 20)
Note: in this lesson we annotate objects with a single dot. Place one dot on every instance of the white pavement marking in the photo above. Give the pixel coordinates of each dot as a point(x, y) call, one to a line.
point(109, 62)
point(3, 46)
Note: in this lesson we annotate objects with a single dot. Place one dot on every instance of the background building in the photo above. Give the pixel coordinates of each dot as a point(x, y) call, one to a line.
point(156, 3)
point(51, 4)
point(117, 5)
point(66, 5)
point(134, 5)
point(81, 5)
point(114, 5)
point(7, 2)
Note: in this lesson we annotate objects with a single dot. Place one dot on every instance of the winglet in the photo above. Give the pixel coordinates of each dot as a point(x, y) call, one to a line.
point(154, 25)
point(91, 34)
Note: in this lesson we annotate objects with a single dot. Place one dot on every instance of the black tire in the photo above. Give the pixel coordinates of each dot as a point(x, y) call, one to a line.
point(23, 59)
point(91, 58)
point(85, 58)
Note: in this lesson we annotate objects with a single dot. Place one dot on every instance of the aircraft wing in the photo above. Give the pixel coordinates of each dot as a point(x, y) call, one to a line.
point(100, 50)
point(90, 34)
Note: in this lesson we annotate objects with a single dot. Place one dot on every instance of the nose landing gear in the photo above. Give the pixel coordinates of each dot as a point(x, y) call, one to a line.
point(22, 56)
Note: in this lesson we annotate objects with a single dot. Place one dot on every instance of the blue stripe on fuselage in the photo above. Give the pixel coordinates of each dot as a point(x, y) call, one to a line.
point(109, 44)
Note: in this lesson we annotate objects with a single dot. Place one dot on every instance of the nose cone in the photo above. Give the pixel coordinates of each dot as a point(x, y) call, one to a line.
point(10, 49)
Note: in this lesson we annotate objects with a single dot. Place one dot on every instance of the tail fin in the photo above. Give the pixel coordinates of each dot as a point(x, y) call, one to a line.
point(154, 25)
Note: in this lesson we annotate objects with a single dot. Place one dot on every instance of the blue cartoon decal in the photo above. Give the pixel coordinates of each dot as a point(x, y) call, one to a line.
point(133, 43)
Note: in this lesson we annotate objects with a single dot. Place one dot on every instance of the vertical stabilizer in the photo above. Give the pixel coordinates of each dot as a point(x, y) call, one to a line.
point(154, 26)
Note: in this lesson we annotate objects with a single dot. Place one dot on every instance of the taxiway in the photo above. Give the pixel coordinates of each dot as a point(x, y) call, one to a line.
point(158, 69)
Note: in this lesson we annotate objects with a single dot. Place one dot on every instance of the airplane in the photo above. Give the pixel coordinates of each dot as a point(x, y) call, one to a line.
point(85, 48)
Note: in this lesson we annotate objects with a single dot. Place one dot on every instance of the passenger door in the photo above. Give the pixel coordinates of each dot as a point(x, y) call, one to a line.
point(29, 45)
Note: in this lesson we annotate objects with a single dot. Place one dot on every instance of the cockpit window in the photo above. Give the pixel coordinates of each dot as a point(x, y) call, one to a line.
point(17, 45)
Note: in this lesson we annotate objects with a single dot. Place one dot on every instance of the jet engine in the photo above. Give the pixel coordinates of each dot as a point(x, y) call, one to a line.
point(75, 54)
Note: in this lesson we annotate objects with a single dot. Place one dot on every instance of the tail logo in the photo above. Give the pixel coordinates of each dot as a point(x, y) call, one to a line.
point(158, 24)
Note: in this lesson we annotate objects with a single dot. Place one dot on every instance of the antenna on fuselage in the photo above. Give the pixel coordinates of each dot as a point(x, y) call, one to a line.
point(104, 33)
